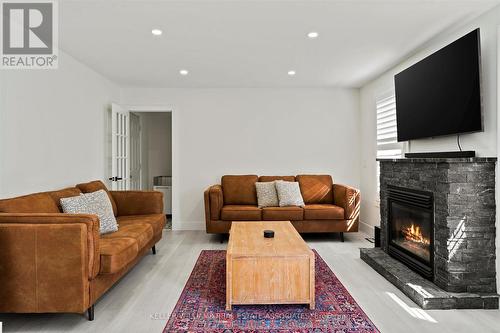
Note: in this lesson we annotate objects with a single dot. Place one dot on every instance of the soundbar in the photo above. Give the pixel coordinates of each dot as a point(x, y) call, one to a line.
point(443, 154)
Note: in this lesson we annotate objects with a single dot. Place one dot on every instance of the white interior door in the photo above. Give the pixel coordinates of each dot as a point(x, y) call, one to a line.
point(135, 153)
point(120, 151)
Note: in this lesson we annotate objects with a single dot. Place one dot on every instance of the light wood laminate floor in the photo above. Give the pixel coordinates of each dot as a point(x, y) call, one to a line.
point(143, 299)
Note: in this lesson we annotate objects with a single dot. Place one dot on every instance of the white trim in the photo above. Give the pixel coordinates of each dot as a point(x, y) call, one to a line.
point(366, 228)
point(175, 160)
point(385, 94)
point(190, 226)
point(148, 108)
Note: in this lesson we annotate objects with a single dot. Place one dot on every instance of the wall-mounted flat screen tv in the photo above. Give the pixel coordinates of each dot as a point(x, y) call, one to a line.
point(441, 94)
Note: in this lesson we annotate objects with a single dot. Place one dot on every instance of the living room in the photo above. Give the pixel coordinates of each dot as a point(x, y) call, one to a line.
point(288, 89)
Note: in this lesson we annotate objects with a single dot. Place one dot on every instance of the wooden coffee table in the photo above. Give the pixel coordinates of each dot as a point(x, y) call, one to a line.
point(260, 270)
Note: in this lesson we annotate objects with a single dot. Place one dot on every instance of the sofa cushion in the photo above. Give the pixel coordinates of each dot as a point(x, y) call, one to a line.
point(130, 202)
point(97, 185)
point(32, 203)
point(266, 194)
point(96, 203)
point(323, 212)
point(316, 189)
point(273, 178)
point(142, 233)
point(239, 190)
point(241, 213)
point(289, 193)
point(157, 221)
point(64, 193)
point(116, 253)
point(290, 213)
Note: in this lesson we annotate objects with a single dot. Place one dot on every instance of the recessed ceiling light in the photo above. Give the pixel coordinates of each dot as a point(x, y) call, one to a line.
point(184, 72)
point(156, 32)
point(291, 73)
point(313, 34)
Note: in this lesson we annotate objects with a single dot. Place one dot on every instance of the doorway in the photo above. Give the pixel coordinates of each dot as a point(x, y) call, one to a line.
point(141, 154)
point(151, 155)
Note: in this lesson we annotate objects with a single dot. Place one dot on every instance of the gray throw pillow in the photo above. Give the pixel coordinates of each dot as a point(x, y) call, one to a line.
point(289, 193)
point(96, 203)
point(266, 194)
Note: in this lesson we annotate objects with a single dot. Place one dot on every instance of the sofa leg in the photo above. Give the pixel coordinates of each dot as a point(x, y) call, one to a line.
point(154, 249)
point(342, 237)
point(90, 313)
point(222, 237)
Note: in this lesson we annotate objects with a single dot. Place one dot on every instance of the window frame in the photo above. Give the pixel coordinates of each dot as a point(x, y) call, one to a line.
point(388, 97)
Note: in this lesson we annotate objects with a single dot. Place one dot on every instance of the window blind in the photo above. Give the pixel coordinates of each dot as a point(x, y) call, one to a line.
point(387, 137)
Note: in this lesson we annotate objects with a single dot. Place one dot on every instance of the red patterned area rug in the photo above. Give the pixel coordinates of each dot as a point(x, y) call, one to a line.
point(201, 306)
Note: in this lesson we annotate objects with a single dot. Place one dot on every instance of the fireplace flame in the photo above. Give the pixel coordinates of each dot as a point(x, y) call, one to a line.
point(414, 234)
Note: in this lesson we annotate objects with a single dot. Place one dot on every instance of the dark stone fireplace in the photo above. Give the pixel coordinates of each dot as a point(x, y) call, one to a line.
point(437, 231)
point(410, 228)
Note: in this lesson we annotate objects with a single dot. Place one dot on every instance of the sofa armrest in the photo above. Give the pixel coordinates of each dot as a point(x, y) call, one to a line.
point(138, 202)
point(47, 261)
point(214, 200)
point(348, 198)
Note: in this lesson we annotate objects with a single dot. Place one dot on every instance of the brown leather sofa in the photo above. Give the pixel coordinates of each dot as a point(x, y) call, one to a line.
point(328, 207)
point(55, 262)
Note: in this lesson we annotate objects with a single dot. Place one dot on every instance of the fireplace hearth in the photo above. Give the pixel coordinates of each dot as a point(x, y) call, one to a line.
point(410, 228)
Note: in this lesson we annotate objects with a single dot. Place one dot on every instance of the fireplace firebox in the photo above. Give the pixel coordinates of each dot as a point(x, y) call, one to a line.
point(410, 228)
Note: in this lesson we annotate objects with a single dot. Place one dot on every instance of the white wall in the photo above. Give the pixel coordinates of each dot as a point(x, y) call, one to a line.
point(258, 131)
point(156, 146)
point(484, 143)
point(52, 127)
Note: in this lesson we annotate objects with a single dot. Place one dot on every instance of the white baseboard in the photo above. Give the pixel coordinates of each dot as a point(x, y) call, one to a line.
point(188, 225)
point(366, 228)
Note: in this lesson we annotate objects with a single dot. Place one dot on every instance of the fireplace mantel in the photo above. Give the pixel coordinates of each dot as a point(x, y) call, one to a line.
point(439, 160)
point(464, 216)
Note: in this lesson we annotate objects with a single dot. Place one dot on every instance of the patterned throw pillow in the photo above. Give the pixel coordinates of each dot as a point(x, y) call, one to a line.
point(266, 194)
point(289, 193)
point(96, 203)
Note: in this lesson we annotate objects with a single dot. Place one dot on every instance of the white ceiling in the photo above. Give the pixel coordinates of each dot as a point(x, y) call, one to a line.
point(253, 43)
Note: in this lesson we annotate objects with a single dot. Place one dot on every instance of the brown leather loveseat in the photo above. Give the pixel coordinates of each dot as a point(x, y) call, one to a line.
point(55, 262)
point(328, 207)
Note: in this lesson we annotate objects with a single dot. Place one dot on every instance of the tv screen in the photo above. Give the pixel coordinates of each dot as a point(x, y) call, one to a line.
point(440, 95)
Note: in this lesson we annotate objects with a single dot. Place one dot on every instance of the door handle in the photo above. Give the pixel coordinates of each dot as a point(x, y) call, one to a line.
point(114, 179)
